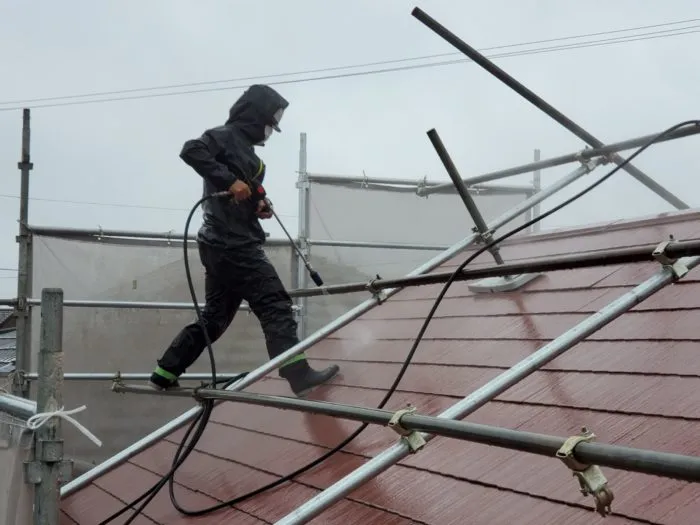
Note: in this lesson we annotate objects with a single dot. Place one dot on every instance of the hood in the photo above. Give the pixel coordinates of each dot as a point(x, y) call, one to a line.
point(254, 110)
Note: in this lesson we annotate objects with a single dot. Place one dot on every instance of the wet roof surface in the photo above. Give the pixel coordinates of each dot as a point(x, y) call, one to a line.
point(635, 383)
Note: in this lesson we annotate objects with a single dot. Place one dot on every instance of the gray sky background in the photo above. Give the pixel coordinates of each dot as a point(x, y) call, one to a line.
point(116, 164)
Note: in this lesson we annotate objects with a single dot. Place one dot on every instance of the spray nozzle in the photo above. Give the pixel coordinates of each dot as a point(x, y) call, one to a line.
point(316, 277)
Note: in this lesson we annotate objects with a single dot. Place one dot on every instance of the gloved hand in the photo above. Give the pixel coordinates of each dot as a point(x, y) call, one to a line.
point(264, 210)
point(240, 190)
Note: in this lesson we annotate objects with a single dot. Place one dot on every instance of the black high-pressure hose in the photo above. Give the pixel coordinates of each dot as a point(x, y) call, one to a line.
point(203, 417)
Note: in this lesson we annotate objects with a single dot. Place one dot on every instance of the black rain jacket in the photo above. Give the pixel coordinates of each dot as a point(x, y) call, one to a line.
point(225, 154)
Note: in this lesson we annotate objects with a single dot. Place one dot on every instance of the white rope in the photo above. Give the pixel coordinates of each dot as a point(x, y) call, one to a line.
point(38, 420)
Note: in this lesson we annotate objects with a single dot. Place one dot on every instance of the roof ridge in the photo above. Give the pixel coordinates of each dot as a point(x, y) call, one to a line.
point(609, 226)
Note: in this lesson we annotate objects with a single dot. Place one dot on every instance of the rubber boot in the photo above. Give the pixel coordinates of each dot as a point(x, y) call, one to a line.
point(303, 379)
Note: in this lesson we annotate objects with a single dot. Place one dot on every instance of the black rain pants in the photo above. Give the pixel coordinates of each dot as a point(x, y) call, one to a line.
point(232, 276)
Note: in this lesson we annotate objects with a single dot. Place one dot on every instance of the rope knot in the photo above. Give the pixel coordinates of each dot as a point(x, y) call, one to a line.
point(38, 420)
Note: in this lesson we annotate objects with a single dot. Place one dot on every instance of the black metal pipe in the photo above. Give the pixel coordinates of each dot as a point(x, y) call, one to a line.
point(461, 188)
point(457, 180)
point(613, 256)
point(664, 464)
point(639, 460)
point(541, 104)
point(583, 155)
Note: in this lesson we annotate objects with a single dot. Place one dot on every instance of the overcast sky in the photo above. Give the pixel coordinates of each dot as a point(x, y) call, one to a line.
point(116, 164)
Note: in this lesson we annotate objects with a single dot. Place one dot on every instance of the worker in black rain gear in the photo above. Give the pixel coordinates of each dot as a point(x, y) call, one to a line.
point(231, 240)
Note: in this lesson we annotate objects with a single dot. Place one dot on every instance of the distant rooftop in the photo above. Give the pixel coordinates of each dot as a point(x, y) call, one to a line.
point(4, 315)
point(8, 349)
point(8, 321)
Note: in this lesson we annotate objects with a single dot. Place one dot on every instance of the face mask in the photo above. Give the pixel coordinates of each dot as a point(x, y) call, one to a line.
point(278, 116)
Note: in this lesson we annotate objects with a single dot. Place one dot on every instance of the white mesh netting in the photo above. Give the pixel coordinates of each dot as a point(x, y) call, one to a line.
point(16, 496)
point(383, 213)
point(389, 214)
point(130, 339)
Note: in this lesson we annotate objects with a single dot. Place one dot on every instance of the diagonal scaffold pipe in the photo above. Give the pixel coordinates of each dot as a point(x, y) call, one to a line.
point(542, 104)
point(669, 250)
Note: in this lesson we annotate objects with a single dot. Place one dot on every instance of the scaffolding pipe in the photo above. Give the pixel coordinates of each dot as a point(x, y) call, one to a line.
point(412, 185)
point(24, 266)
point(609, 257)
point(145, 305)
point(48, 438)
point(78, 233)
point(142, 305)
point(490, 391)
point(16, 406)
point(537, 184)
point(541, 104)
point(319, 335)
point(304, 225)
point(461, 188)
point(382, 245)
point(676, 466)
point(459, 185)
point(131, 376)
point(323, 178)
point(583, 155)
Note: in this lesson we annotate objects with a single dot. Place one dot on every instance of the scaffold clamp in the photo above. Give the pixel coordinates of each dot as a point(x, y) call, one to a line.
point(421, 186)
point(18, 380)
point(376, 292)
point(414, 439)
point(590, 477)
point(678, 268)
point(117, 381)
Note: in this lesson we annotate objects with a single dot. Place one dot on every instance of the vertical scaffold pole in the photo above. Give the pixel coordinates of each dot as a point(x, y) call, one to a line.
point(303, 237)
point(24, 265)
point(537, 184)
point(48, 445)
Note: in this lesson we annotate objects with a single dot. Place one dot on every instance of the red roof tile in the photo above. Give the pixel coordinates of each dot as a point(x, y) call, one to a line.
point(636, 382)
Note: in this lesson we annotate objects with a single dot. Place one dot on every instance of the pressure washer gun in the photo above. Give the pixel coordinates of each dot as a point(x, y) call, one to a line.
point(315, 276)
